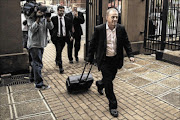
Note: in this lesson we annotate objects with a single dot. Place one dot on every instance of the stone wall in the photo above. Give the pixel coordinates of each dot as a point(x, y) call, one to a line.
point(12, 56)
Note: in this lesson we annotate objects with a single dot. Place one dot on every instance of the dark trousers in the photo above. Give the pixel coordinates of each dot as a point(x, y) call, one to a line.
point(36, 63)
point(109, 70)
point(59, 44)
point(77, 46)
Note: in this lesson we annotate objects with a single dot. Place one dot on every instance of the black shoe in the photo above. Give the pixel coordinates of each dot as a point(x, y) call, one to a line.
point(100, 91)
point(56, 63)
point(43, 87)
point(113, 112)
point(71, 61)
point(77, 59)
point(31, 80)
point(61, 70)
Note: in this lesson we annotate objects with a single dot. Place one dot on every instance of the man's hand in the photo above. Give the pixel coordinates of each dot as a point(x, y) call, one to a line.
point(39, 15)
point(48, 19)
point(132, 59)
point(37, 20)
point(76, 14)
point(71, 39)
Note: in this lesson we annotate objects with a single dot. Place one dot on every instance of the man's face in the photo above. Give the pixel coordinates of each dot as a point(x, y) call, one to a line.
point(61, 11)
point(74, 8)
point(112, 18)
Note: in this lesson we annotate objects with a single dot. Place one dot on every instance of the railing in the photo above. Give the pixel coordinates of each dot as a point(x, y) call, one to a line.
point(162, 25)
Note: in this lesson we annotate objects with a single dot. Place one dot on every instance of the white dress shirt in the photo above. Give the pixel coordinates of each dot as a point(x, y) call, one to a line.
point(111, 41)
point(63, 26)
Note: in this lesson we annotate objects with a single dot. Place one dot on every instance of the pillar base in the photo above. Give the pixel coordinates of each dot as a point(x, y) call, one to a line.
point(169, 56)
point(16, 63)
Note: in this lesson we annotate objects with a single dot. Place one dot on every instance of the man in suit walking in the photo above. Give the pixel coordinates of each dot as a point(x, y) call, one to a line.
point(61, 34)
point(107, 44)
point(77, 19)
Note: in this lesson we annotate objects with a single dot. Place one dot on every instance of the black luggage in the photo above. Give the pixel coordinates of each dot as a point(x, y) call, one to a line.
point(79, 83)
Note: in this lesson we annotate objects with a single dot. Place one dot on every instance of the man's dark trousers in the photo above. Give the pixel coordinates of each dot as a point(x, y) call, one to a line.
point(36, 63)
point(109, 70)
point(77, 46)
point(60, 43)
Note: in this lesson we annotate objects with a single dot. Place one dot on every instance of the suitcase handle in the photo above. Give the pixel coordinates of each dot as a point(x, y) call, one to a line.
point(84, 70)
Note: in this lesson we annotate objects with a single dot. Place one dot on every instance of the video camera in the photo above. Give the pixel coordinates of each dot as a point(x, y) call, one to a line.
point(30, 9)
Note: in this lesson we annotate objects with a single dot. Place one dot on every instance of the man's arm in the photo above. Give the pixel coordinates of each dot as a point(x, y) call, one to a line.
point(79, 18)
point(33, 25)
point(49, 24)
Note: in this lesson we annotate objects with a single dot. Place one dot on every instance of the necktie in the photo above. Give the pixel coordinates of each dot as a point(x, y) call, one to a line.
point(73, 30)
point(61, 30)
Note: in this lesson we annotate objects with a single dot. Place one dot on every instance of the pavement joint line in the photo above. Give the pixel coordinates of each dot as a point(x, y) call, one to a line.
point(11, 111)
point(7, 89)
point(44, 100)
point(10, 89)
point(9, 99)
point(15, 111)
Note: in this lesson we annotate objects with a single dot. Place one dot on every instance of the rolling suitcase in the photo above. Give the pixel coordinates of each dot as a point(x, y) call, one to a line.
point(79, 83)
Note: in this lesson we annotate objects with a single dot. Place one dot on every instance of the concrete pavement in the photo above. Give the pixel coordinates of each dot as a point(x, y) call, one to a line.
point(147, 89)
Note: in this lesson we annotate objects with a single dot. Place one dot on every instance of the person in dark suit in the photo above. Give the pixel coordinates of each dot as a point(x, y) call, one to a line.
point(77, 19)
point(107, 45)
point(61, 34)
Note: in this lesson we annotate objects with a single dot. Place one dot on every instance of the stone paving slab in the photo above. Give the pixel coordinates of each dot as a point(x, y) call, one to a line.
point(155, 89)
point(21, 87)
point(4, 99)
point(25, 96)
point(29, 108)
point(171, 82)
point(173, 98)
point(3, 90)
point(6, 112)
point(139, 82)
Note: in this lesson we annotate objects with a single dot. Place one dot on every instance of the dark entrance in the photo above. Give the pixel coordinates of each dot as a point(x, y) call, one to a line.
point(162, 25)
point(93, 18)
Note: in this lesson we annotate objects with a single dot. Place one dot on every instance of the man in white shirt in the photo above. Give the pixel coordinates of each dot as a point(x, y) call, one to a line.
point(107, 44)
point(60, 35)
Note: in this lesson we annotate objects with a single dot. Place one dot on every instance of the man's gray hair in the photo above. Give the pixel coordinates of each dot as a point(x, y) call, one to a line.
point(111, 9)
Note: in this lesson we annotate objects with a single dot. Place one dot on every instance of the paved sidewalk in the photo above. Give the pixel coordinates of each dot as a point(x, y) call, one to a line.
point(147, 89)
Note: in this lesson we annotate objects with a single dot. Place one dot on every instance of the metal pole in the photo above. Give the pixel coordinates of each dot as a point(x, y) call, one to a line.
point(87, 29)
point(164, 24)
point(146, 21)
point(100, 11)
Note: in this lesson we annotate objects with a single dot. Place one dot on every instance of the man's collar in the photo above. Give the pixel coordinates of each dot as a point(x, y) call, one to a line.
point(60, 17)
point(107, 27)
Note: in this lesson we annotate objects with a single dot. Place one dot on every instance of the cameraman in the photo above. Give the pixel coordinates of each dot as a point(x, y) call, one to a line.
point(37, 40)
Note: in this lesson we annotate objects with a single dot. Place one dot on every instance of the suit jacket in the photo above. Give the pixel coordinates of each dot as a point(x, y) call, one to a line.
point(98, 45)
point(54, 31)
point(77, 22)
